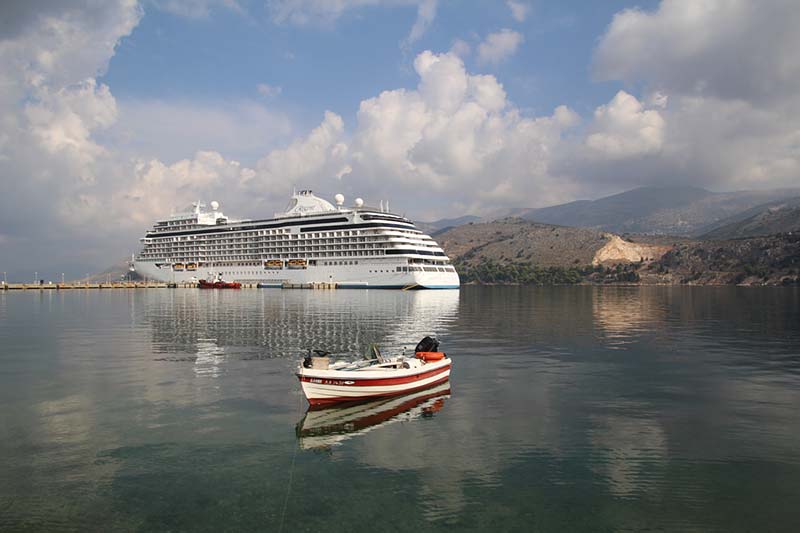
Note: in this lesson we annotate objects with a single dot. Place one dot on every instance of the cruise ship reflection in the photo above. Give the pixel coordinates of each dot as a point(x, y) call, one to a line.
point(323, 428)
point(266, 324)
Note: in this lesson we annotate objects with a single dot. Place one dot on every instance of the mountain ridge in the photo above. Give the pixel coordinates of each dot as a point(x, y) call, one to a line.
point(780, 216)
point(666, 210)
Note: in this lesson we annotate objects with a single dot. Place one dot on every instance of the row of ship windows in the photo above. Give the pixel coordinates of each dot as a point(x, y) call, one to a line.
point(338, 263)
point(281, 253)
point(290, 246)
point(211, 257)
point(287, 231)
point(425, 269)
point(284, 242)
point(398, 269)
point(180, 223)
point(284, 249)
point(286, 234)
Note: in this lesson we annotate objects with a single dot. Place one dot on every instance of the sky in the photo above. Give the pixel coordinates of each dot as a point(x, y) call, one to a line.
point(117, 112)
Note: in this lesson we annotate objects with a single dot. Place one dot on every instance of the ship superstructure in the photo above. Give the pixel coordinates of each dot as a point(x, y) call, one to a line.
point(313, 241)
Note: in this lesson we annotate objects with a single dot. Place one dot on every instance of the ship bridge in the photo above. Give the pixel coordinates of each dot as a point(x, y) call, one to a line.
point(304, 203)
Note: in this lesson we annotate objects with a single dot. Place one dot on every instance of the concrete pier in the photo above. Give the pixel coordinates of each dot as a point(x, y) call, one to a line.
point(73, 285)
point(317, 285)
point(145, 285)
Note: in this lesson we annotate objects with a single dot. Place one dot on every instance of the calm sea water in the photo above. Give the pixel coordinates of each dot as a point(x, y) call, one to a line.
point(569, 409)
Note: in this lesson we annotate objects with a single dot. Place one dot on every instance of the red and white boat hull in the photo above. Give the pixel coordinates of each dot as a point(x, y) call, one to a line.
point(323, 387)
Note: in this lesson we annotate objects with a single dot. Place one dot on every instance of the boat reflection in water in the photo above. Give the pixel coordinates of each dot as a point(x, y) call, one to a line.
point(322, 428)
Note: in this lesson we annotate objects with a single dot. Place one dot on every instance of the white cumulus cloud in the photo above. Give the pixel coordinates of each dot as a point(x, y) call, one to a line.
point(268, 91)
point(319, 156)
point(197, 9)
point(624, 128)
point(499, 46)
point(733, 49)
point(327, 12)
point(456, 134)
point(157, 188)
point(461, 48)
point(723, 79)
point(63, 121)
point(519, 10)
point(426, 13)
point(718, 107)
point(176, 129)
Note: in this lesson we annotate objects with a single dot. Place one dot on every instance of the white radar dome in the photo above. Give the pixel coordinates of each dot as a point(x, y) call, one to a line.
point(339, 199)
point(359, 202)
point(215, 205)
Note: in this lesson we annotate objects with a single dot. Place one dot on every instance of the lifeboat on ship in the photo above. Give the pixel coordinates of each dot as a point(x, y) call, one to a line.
point(327, 382)
point(177, 267)
point(297, 263)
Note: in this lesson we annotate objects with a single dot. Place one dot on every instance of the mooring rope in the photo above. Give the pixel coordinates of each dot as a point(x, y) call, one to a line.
point(291, 472)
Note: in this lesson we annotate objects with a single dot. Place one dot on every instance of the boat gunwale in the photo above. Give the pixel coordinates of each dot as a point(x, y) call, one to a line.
point(325, 401)
point(370, 373)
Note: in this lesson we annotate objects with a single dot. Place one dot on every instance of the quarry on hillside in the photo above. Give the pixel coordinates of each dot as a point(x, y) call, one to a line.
point(618, 250)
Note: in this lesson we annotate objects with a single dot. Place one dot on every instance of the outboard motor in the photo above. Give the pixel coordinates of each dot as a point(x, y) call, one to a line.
point(428, 344)
point(319, 360)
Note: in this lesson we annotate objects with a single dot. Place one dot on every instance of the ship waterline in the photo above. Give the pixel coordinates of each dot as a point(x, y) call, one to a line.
point(313, 241)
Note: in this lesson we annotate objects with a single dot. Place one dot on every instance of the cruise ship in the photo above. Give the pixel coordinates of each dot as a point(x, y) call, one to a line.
point(313, 241)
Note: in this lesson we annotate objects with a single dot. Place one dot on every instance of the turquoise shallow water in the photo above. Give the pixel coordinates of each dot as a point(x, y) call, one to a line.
point(570, 408)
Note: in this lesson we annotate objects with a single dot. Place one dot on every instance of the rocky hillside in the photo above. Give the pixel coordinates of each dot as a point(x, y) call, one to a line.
point(520, 251)
point(768, 219)
point(772, 260)
point(545, 245)
point(520, 240)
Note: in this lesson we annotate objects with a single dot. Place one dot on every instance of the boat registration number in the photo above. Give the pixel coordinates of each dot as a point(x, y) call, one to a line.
point(332, 382)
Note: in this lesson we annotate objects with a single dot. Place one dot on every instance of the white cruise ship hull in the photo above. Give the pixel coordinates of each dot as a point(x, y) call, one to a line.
point(312, 242)
point(346, 277)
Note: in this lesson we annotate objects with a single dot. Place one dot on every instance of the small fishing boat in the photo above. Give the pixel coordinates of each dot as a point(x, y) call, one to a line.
point(325, 382)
